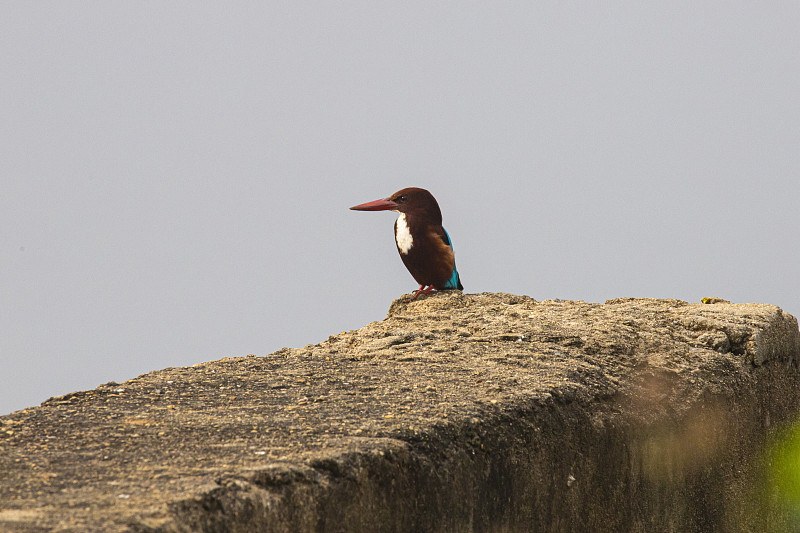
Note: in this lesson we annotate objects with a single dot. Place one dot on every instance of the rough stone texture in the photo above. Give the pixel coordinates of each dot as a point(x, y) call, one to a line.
point(473, 412)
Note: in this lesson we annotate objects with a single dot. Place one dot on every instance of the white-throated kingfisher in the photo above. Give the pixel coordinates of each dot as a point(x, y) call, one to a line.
point(422, 242)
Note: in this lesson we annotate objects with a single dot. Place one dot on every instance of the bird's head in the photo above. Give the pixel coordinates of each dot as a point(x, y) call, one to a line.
point(412, 201)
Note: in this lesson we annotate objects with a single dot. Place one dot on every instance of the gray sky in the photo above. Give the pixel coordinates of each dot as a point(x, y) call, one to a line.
point(176, 175)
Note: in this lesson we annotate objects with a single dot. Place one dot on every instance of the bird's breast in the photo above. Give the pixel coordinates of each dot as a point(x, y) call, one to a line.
point(403, 235)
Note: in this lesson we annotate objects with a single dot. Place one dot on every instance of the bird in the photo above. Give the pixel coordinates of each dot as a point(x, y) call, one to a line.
point(422, 242)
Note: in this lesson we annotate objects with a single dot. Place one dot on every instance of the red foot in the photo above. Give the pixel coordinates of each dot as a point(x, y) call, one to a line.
point(422, 290)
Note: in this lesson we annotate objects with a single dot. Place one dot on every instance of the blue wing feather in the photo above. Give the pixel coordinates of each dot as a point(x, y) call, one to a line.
point(454, 282)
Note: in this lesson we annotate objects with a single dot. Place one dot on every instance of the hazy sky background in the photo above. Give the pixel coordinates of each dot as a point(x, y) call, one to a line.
point(176, 176)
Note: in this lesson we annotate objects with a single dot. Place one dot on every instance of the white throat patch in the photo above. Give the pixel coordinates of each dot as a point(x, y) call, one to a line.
point(402, 235)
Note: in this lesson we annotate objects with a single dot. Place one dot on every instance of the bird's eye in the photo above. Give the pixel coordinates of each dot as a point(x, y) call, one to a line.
point(401, 199)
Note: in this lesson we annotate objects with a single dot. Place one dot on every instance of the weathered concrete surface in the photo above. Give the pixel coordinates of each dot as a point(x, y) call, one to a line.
point(478, 412)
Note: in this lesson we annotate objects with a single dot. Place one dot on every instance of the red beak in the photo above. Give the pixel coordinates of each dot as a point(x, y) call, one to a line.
point(377, 205)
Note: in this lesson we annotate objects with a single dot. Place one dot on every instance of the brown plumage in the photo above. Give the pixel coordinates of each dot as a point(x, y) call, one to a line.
point(423, 244)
